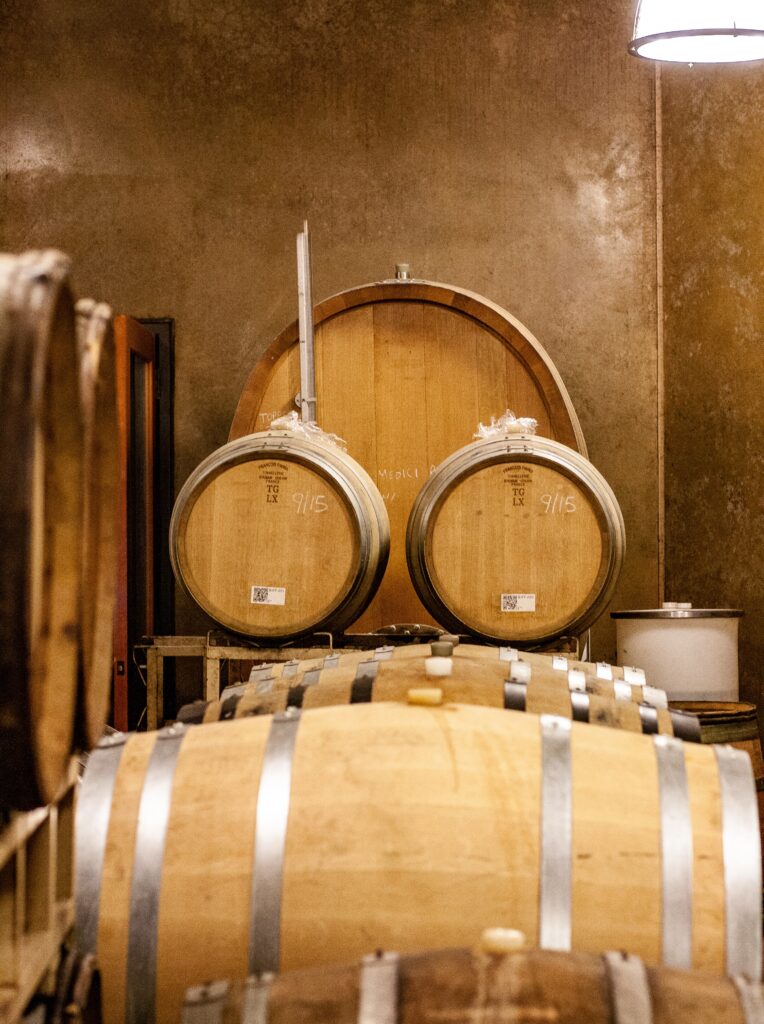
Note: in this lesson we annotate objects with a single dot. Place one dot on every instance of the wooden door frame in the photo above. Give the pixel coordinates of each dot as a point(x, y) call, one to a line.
point(131, 337)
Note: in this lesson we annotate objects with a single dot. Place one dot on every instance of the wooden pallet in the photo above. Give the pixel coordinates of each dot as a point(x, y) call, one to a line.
point(36, 896)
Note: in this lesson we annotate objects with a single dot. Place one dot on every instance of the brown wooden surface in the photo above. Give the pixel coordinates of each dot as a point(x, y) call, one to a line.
point(40, 526)
point(407, 826)
point(404, 373)
point(458, 985)
point(100, 534)
point(282, 513)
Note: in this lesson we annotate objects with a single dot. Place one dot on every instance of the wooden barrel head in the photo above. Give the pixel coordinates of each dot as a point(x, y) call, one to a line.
point(275, 536)
point(405, 372)
point(517, 539)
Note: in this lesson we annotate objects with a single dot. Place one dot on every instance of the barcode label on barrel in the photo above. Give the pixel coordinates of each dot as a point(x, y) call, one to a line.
point(268, 595)
point(518, 602)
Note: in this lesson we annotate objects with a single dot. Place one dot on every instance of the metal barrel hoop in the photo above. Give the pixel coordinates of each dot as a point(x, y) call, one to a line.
point(148, 860)
point(91, 832)
point(271, 821)
point(556, 870)
point(676, 853)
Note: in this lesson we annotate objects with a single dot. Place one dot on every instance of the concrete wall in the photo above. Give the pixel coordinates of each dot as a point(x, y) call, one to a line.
point(714, 279)
point(173, 147)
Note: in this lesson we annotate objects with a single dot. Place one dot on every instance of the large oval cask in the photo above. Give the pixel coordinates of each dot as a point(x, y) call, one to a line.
point(528, 987)
point(40, 526)
point(275, 535)
point(517, 538)
point(405, 372)
point(297, 840)
point(95, 338)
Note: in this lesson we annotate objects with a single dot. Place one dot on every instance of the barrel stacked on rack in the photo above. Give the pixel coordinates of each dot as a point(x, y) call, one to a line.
point(545, 685)
point(57, 506)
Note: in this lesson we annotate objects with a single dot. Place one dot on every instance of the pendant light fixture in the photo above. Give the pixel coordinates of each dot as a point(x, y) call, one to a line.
point(699, 31)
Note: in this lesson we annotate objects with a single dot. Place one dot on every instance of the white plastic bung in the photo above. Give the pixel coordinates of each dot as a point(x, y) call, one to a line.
point(577, 680)
point(520, 672)
point(436, 666)
point(691, 653)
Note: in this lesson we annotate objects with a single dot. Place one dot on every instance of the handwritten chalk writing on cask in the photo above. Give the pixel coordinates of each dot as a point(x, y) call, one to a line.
point(558, 503)
point(309, 502)
point(404, 473)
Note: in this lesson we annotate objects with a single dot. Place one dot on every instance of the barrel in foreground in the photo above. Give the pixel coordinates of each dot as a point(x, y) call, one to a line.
point(417, 826)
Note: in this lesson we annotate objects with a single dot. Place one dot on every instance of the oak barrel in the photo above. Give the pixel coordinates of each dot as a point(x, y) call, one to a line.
point(379, 676)
point(95, 337)
point(517, 538)
point(275, 535)
point(40, 526)
point(296, 840)
point(405, 372)
point(528, 987)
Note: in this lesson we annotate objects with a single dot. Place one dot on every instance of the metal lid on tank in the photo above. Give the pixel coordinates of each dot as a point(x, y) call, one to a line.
point(678, 610)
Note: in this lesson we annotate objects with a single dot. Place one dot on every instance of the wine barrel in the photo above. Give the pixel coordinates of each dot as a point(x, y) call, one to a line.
point(276, 536)
point(405, 372)
point(470, 681)
point(528, 987)
point(40, 526)
point(516, 539)
point(98, 399)
point(407, 826)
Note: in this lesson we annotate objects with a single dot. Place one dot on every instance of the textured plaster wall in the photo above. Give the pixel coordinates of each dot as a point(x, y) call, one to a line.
point(507, 146)
point(714, 277)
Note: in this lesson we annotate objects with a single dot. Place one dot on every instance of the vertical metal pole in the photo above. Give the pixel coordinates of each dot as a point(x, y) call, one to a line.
point(305, 319)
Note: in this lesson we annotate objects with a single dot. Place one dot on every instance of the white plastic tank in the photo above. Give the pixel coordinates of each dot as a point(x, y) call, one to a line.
point(691, 653)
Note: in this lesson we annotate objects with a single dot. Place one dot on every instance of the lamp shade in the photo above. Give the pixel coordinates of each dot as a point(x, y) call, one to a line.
point(699, 31)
